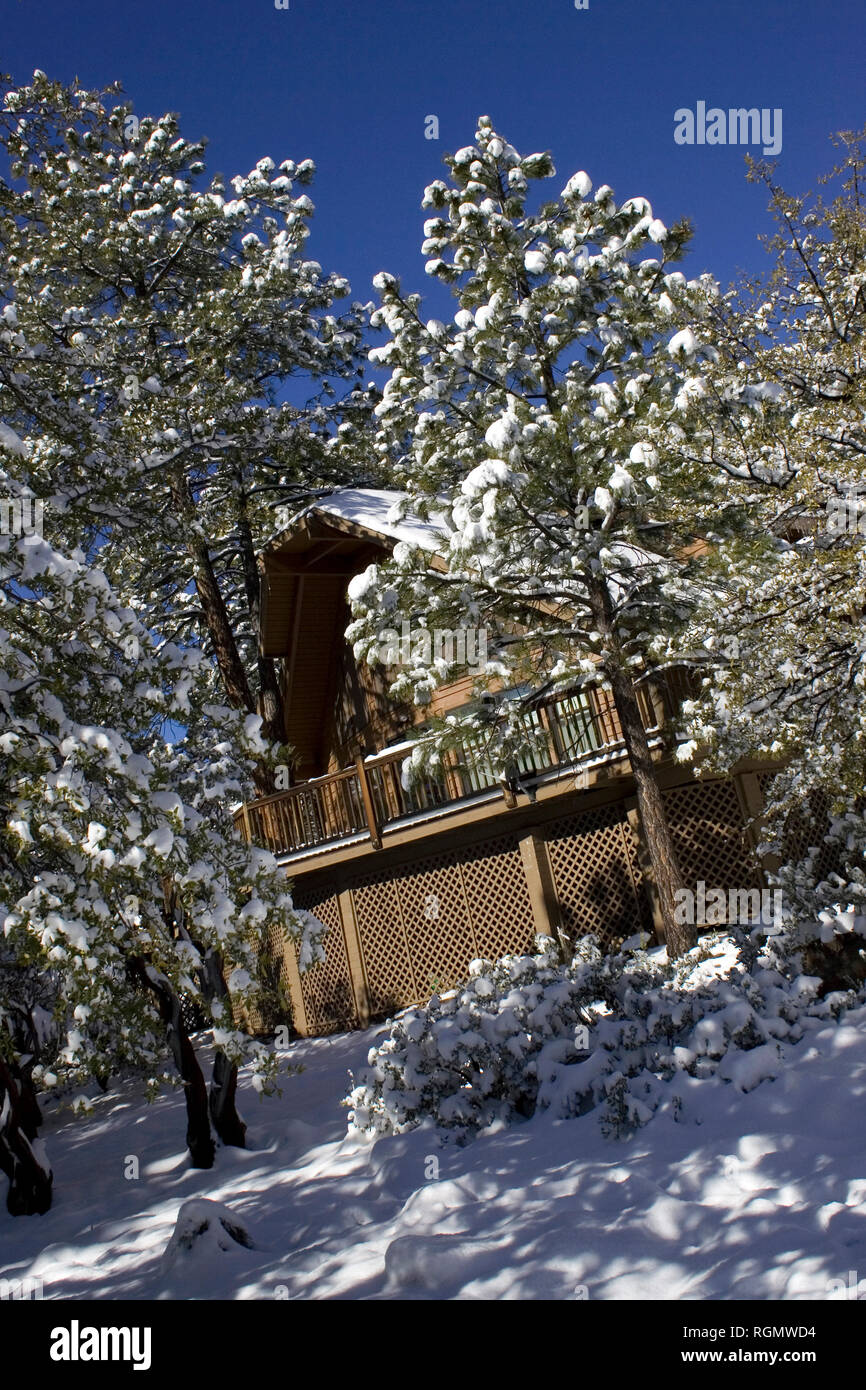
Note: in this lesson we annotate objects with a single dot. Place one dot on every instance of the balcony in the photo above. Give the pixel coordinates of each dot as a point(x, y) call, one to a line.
point(568, 732)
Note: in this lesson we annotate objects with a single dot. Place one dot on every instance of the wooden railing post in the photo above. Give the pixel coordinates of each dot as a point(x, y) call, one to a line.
point(546, 718)
point(367, 798)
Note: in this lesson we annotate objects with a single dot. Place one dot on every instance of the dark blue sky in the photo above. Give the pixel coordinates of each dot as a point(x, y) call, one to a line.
point(350, 83)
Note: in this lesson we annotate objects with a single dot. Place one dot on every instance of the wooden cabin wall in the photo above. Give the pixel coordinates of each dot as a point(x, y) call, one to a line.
point(361, 716)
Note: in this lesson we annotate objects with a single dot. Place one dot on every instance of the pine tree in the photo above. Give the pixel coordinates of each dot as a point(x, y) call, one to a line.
point(784, 418)
point(121, 877)
point(169, 371)
point(547, 425)
point(175, 361)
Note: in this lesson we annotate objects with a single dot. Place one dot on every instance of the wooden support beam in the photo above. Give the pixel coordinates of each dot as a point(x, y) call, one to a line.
point(748, 788)
point(354, 956)
point(293, 975)
point(293, 648)
point(546, 910)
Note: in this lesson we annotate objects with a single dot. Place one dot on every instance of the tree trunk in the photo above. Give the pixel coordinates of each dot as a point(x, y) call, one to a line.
point(231, 668)
point(220, 631)
point(224, 1081)
point(223, 1088)
point(667, 875)
point(221, 1101)
point(198, 1134)
point(30, 1180)
point(270, 694)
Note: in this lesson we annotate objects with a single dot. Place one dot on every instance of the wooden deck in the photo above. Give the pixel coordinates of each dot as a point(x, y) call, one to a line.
point(565, 731)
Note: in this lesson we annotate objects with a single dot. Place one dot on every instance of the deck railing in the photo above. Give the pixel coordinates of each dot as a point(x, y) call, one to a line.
point(564, 731)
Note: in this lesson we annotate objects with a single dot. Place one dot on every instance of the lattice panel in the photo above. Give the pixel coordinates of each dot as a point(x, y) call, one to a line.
point(709, 834)
point(387, 964)
point(498, 898)
point(437, 924)
point(329, 1000)
point(250, 1017)
point(420, 930)
point(805, 829)
point(597, 876)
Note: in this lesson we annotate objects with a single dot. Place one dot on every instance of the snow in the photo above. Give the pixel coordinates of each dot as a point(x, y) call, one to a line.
point(620, 480)
point(578, 186)
point(684, 342)
point(503, 433)
point(489, 474)
point(735, 1196)
point(376, 509)
point(204, 1231)
point(361, 584)
point(11, 442)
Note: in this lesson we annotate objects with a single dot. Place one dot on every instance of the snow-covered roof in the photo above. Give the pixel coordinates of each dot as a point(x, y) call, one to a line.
point(378, 510)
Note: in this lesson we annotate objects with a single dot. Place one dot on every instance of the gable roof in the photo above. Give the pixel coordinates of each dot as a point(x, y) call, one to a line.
point(305, 571)
point(332, 539)
point(378, 512)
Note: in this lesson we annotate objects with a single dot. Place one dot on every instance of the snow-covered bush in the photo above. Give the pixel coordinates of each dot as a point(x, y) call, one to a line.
point(468, 1056)
point(534, 1032)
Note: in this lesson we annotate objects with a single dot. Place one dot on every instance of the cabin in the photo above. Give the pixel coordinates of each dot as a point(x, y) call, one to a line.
point(413, 880)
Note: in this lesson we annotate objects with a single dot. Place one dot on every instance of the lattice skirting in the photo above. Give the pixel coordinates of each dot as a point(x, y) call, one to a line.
point(599, 883)
point(805, 830)
point(328, 996)
point(395, 935)
point(710, 837)
point(420, 927)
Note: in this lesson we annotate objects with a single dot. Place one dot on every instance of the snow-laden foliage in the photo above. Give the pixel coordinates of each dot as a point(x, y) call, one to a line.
point(101, 813)
point(545, 425)
point(150, 318)
point(784, 417)
point(147, 320)
point(548, 426)
point(607, 1031)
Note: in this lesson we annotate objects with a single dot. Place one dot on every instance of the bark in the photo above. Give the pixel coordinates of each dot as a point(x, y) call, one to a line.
point(667, 875)
point(226, 1120)
point(231, 668)
point(270, 695)
point(220, 631)
point(30, 1181)
point(224, 1081)
point(198, 1133)
point(221, 1100)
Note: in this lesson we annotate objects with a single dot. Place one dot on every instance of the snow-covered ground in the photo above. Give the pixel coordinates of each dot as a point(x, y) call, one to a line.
point(747, 1195)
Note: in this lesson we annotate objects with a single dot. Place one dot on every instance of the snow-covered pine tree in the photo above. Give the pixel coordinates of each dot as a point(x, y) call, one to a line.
point(152, 322)
point(100, 813)
point(547, 424)
point(784, 416)
point(173, 361)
